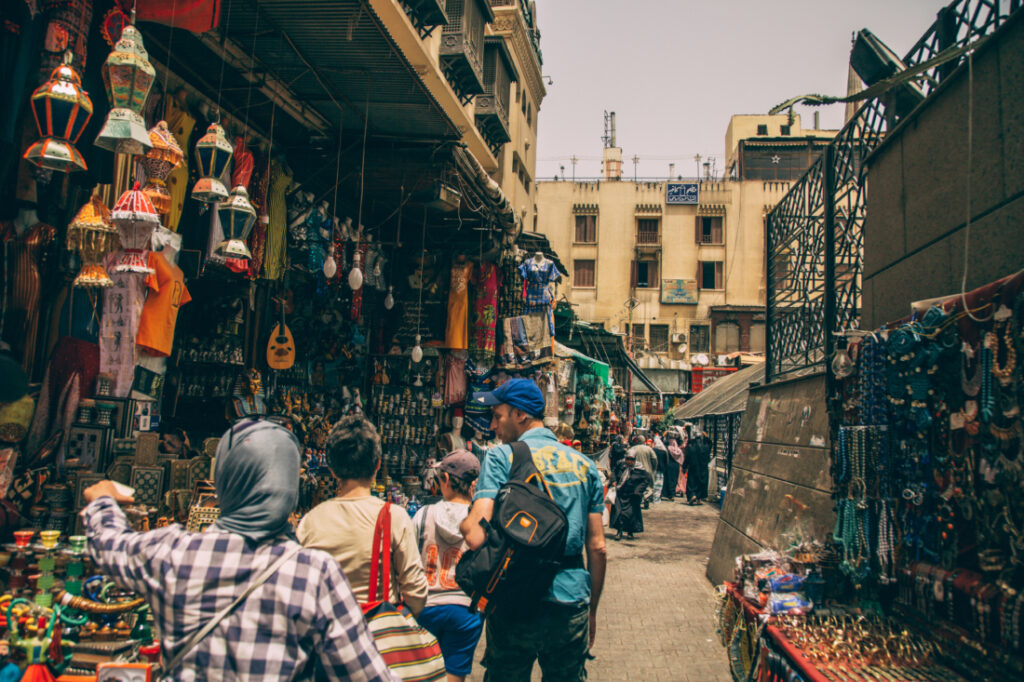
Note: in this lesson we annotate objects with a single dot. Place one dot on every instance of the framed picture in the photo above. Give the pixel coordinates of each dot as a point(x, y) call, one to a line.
point(148, 482)
point(84, 481)
point(200, 518)
point(87, 445)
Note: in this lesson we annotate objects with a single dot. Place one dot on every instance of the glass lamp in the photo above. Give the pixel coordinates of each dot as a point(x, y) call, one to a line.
point(159, 161)
point(135, 219)
point(61, 109)
point(213, 153)
point(128, 77)
point(91, 233)
point(237, 216)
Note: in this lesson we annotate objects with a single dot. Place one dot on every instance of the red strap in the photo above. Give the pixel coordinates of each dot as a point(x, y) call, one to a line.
point(381, 554)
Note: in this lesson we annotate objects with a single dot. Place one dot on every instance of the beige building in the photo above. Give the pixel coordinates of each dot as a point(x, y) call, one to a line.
point(678, 265)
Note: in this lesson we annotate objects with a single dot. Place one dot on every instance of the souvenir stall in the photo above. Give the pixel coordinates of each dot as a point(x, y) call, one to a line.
point(926, 558)
point(587, 399)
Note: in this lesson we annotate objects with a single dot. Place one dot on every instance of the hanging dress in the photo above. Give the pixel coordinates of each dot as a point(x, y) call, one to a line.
point(456, 334)
point(485, 311)
point(181, 124)
point(277, 227)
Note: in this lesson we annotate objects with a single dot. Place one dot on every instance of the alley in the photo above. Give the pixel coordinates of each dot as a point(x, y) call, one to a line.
point(656, 622)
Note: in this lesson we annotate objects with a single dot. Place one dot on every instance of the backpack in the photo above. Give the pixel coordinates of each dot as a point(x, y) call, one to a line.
point(524, 547)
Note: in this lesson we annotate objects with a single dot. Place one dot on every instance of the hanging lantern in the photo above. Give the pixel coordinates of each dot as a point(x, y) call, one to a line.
point(61, 109)
point(135, 219)
point(213, 152)
point(91, 233)
point(237, 216)
point(128, 77)
point(159, 161)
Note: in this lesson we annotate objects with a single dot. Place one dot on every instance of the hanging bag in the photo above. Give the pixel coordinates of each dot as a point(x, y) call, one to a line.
point(409, 651)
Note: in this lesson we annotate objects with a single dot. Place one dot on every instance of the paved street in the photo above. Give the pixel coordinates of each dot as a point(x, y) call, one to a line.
point(656, 622)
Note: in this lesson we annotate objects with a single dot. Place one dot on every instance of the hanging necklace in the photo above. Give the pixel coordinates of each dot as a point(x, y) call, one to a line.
point(972, 384)
point(987, 401)
point(1004, 372)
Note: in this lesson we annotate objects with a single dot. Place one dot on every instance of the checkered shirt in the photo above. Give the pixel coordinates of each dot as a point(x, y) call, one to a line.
point(306, 608)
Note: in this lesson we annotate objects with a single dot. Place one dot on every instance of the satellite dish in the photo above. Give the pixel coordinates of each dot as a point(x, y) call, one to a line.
point(681, 348)
point(702, 359)
point(615, 329)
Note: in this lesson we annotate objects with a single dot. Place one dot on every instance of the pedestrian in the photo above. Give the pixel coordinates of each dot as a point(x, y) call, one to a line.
point(696, 458)
point(447, 615)
point(343, 526)
point(629, 494)
point(645, 457)
point(673, 465)
point(559, 632)
point(616, 455)
point(661, 454)
point(304, 612)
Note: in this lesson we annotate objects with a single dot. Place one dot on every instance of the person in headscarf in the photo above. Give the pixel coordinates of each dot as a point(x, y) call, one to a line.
point(673, 464)
point(303, 615)
point(634, 480)
point(695, 463)
point(616, 455)
point(645, 457)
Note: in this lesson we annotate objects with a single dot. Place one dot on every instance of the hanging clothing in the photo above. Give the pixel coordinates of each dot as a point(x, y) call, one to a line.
point(277, 227)
point(537, 278)
point(181, 124)
point(122, 312)
point(485, 311)
point(160, 313)
point(22, 285)
point(242, 165)
point(510, 296)
point(456, 334)
point(454, 379)
point(258, 238)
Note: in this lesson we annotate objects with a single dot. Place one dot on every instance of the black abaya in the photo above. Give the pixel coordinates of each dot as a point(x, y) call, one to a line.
point(626, 515)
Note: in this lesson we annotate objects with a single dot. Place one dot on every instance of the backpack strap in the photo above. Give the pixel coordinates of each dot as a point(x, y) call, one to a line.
point(380, 557)
point(524, 469)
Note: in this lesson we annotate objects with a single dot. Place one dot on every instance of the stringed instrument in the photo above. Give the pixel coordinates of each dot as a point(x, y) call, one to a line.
point(281, 346)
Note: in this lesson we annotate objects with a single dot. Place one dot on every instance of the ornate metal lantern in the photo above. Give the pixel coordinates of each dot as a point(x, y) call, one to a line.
point(237, 216)
point(159, 161)
point(94, 237)
point(135, 219)
point(213, 152)
point(61, 109)
point(128, 76)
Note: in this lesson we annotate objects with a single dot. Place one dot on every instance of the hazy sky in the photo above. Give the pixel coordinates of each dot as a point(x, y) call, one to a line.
point(674, 71)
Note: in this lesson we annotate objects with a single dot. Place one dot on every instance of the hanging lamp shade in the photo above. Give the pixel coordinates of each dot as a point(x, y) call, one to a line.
point(213, 153)
point(61, 109)
point(128, 77)
point(92, 235)
point(237, 216)
point(159, 161)
point(135, 219)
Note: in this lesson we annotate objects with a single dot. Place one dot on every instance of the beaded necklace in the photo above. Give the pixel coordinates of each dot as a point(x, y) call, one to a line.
point(987, 399)
point(886, 558)
point(970, 385)
point(1004, 372)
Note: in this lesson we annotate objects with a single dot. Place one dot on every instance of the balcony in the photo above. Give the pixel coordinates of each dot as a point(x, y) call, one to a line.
point(426, 14)
point(492, 105)
point(462, 46)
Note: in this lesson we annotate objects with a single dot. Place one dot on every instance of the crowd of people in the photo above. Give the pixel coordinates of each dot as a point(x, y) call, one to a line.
point(678, 456)
point(254, 597)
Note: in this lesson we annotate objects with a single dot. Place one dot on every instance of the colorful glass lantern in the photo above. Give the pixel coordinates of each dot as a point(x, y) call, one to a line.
point(94, 237)
point(61, 109)
point(237, 216)
point(135, 219)
point(159, 161)
point(128, 77)
point(213, 152)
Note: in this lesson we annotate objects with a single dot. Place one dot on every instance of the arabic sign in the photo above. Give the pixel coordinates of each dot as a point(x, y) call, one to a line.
point(681, 192)
point(679, 291)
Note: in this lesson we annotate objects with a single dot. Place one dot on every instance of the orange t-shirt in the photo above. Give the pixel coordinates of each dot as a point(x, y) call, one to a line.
point(160, 314)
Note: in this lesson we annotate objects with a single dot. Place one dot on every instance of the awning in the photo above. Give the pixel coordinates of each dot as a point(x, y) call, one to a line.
point(601, 369)
point(726, 395)
point(596, 341)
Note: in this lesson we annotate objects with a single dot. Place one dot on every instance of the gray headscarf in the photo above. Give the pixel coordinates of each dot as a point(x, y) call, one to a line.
point(257, 478)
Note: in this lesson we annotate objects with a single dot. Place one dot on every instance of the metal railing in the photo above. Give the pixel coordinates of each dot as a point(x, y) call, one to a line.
point(815, 233)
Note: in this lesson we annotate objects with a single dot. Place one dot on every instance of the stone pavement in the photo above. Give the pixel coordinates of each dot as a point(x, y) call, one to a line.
point(656, 620)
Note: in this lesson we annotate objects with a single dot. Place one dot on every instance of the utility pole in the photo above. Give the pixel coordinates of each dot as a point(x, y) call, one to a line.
point(671, 170)
point(561, 169)
point(697, 158)
point(636, 160)
point(573, 160)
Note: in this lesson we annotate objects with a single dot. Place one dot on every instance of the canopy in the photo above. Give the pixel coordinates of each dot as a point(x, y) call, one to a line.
point(595, 366)
point(728, 394)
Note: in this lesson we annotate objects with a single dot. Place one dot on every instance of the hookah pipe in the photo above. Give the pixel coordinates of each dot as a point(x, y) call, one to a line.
point(43, 652)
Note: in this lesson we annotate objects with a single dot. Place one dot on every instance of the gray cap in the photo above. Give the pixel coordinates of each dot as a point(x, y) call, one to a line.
point(461, 464)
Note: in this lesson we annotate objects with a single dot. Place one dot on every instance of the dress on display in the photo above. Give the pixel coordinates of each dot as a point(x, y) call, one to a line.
point(277, 228)
point(181, 124)
point(537, 278)
point(485, 310)
point(457, 332)
point(22, 286)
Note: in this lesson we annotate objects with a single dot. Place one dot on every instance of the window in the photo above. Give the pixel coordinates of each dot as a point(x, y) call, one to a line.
point(709, 229)
point(727, 337)
point(784, 130)
point(700, 338)
point(638, 333)
point(709, 274)
point(757, 342)
point(586, 229)
point(762, 129)
point(659, 338)
point(583, 273)
point(647, 230)
point(645, 274)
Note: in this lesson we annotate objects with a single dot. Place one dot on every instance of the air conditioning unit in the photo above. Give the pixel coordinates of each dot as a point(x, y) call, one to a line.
point(678, 338)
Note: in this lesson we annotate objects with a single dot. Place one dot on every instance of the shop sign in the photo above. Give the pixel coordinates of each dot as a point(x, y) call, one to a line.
point(679, 291)
point(681, 193)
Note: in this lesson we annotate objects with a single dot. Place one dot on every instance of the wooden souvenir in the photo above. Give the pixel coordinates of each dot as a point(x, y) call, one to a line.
point(281, 346)
point(122, 417)
point(87, 445)
point(199, 469)
point(179, 475)
point(122, 447)
point(200, 518)
point(85, 481)
point(121, 469)
point(210, 446)
point(147, 449)
point(148, 482)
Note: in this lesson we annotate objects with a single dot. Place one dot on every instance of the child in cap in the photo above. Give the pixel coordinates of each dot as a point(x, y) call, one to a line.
point(447, 615)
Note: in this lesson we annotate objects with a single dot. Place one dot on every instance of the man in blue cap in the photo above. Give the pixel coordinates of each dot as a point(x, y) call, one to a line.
point(560, 632)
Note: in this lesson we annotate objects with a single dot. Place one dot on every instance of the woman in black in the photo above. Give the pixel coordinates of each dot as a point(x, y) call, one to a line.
point(698, 453)
point(629, 494)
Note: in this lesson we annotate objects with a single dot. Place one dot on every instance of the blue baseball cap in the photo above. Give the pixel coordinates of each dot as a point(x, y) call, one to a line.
point(521, 394)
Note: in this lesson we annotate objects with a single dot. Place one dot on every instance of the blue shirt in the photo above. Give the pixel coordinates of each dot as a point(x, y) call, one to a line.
point(576, 488)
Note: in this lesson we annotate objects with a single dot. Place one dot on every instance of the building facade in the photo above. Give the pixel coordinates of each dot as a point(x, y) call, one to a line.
point(678, 265)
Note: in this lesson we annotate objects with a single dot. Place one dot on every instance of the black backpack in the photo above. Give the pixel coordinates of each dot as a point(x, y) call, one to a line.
point(525, 545)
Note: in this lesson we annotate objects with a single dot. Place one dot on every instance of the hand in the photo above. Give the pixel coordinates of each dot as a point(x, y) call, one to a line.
point(105, 489)
point(593, 627)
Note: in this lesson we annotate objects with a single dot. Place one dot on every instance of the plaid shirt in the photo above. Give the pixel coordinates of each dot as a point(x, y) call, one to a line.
point(306, 607)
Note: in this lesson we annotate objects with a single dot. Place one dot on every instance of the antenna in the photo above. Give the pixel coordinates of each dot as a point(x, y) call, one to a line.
point(636, 160)
point(609, 129)
point(697, 158)
point(573, 160)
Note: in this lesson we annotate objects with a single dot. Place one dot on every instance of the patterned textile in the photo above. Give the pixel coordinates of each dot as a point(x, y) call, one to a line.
point(510, 297)
point(306, 606)
point(537, 278)
point(485, 312)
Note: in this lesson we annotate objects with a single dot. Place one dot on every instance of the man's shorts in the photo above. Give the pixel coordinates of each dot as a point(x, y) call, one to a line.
point(457, 631)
